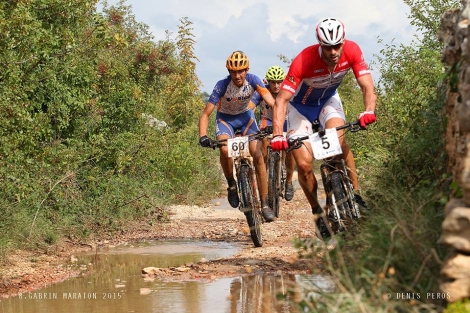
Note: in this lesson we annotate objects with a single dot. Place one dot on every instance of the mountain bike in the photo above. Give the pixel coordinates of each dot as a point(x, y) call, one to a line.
point(277, 176)
point(341, 206)
point(250, 202)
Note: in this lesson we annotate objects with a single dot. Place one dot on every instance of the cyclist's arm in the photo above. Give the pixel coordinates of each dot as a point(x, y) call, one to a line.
point(368, 92)
point(265, 94)
point(279, 111)
point(255, 101)
point(204, 119)
point(256, 98)
point(269, 99)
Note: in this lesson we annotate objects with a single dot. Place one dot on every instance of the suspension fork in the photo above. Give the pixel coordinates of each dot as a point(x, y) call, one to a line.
point(325, 172)
point(326, 169)
point(354, 208)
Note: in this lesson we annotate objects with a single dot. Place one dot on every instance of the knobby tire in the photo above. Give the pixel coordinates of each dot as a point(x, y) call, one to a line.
point(251, 205)
point(274, 181)
point(340, 195)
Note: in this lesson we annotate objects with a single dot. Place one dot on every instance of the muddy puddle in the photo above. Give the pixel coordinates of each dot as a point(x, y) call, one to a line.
point(116, 284)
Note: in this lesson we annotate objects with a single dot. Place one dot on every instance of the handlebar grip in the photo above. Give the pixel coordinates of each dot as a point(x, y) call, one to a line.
point(295, 143)
point(217, 144)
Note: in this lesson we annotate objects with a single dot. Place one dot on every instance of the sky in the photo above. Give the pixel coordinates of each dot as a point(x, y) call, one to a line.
point(265, 29)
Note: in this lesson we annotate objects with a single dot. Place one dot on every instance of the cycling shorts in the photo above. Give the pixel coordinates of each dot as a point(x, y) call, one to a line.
point(300, 124)
point(227, 124)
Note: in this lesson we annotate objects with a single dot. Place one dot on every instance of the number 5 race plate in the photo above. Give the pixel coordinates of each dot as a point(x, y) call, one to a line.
point(237, 146)
point(326, 146)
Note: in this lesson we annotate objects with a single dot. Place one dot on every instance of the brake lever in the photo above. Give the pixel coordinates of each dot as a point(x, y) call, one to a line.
point(356, 127)
point(293, 144)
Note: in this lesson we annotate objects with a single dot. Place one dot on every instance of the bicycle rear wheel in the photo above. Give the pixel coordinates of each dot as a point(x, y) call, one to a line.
point(252, 207)
point(274, 181)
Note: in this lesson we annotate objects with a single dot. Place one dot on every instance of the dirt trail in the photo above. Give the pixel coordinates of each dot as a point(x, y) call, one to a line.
point(217, 222)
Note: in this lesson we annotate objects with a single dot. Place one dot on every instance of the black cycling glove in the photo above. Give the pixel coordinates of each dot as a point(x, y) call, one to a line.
point(205, 141)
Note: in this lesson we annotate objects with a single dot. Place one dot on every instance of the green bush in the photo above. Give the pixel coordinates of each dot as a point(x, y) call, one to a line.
point(79, 155)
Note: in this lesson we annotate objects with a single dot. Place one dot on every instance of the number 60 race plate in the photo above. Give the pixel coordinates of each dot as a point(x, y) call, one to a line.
point(326, 146)
point(237, 146)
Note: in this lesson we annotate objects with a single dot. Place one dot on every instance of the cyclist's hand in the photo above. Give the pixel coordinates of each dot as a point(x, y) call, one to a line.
point(205, 141)
point(366, 118)
point(268, 129)
point(279, 143)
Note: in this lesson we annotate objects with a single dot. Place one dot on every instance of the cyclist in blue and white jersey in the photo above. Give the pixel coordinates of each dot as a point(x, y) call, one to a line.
point(231, 97)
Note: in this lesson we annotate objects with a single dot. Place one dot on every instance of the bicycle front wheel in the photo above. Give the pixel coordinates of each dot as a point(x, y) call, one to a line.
point(341, 198)
point(274, 181)
point(252, 207)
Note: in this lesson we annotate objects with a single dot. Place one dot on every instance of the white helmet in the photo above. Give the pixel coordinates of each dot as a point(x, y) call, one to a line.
point(330, 32)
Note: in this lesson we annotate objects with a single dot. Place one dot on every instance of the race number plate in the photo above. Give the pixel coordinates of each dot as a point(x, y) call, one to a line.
point(326, 146)
point(238, 146)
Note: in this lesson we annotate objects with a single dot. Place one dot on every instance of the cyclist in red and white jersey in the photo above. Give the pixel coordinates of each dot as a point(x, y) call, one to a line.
point(309, 93)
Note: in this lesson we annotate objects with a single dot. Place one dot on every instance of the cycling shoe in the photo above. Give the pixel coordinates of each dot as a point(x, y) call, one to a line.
point(289, 192)
point(233, 196)
point(268, 214)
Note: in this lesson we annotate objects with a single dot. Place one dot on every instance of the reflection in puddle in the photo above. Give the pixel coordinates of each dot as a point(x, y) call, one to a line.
point(116, 283)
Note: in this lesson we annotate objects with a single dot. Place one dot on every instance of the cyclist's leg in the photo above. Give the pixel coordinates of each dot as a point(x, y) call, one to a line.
point(224, 131)
point(290, 166)
point(263, 123)
point(261, 179)
point(260, 168)
point(332, 116)
point(298, 126)
point(250, 127)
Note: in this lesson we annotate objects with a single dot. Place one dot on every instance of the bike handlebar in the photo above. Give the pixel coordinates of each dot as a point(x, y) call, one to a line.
point(295, 143)
point(258, 135)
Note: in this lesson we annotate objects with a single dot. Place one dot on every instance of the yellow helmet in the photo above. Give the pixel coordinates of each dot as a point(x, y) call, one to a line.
point(275, 73)
point(237, 61)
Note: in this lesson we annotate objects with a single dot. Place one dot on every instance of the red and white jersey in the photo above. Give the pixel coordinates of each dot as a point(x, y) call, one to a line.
point(310, 80)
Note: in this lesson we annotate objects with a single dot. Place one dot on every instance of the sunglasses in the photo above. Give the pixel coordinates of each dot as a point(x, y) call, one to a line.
point(233, 72)
point(335, 47)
